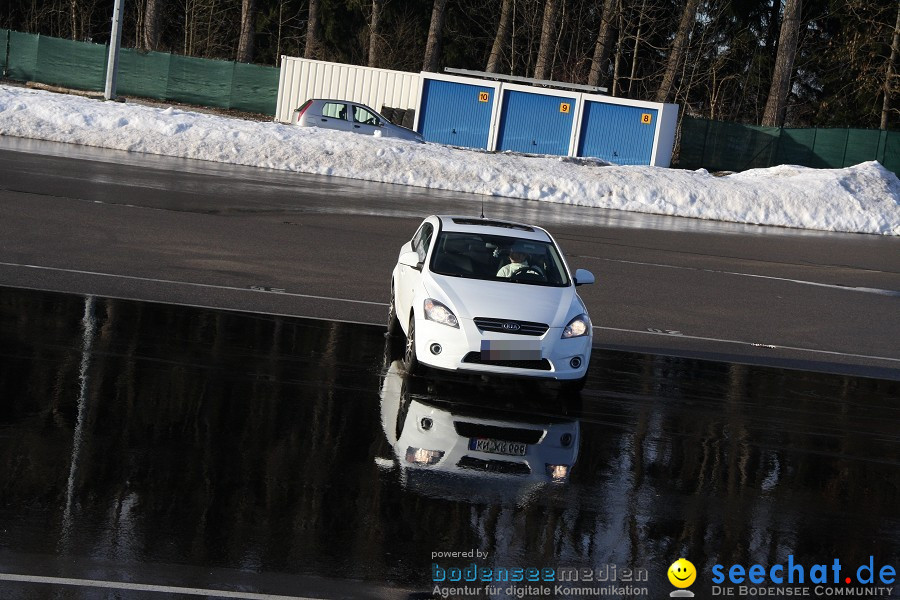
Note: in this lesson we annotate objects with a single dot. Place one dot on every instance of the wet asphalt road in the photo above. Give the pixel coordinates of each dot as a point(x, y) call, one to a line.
point(185, 447)
point(170, 230)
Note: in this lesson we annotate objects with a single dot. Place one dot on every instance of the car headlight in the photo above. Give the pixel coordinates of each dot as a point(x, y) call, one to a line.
point(577, 327)
point(422, 456)
point(558, 472)
point(437, 312)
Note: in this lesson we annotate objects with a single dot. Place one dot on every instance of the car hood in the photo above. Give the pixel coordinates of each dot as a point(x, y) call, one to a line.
point(470, 298)
point(397, 131)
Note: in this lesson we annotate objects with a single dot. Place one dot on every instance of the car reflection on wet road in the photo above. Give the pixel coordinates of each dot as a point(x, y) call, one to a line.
point(207, 449)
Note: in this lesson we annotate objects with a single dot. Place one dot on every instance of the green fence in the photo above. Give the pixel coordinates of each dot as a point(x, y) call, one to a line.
point(721, 146)
point(82, 65)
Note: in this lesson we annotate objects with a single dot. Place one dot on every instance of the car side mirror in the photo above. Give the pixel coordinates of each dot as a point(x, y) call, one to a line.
point(583, 277)
point(411, 259)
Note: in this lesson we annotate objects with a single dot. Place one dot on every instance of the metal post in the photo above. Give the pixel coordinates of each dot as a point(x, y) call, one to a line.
point(112, 64)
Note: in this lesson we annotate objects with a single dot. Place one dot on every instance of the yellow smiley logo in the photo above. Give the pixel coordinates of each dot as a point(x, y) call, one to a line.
point(682, 573)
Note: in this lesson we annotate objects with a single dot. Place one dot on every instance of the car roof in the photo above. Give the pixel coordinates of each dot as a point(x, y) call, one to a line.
point(471, 224)
point(338, 100)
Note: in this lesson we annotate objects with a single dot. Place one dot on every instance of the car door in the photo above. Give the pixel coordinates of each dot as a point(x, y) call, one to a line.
point(365, 120)
point(335, 115)
point(410, 277)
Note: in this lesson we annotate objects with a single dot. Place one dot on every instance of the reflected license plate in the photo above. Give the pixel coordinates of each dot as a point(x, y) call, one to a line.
point(498, 446)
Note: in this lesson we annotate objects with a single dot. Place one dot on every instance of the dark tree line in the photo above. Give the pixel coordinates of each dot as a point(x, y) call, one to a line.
point(827, 63)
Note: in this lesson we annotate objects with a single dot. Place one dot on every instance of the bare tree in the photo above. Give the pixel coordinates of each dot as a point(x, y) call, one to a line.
point(604, 39)
point(637, 44)
point(150, 37)
point(501, 40)
point(248, 25)
point(432, 60)
point(375, 40)
point(313, 37)
point(620, 49)
point(688, 16)
point(776, 105)
point(891, 75)
point(73, 7)
point(546, 50)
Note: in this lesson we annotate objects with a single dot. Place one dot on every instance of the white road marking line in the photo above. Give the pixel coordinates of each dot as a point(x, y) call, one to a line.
point(619, 329)
point(254, 289)
point(845, 288)
point(754, 344)
point(144, 587)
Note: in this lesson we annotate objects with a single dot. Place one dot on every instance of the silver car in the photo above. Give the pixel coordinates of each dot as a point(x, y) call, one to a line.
point(344, 115)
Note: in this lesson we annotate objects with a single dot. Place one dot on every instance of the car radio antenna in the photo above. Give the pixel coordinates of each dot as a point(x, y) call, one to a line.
point(482, 206)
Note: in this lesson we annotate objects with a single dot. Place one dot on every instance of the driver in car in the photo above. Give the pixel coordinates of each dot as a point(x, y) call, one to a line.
point(518, 259)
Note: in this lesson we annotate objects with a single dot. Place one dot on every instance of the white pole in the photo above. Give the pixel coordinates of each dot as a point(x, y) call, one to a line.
point(115, 40)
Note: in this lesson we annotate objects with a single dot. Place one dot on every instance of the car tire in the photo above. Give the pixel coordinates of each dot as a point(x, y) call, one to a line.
point(410, 360)
point(393, 327)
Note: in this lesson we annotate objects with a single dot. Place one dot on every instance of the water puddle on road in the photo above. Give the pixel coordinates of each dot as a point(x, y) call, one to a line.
point(136, 435)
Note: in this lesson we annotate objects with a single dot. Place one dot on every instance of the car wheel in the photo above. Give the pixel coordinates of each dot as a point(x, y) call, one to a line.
point(393, 327)
point(410, 361)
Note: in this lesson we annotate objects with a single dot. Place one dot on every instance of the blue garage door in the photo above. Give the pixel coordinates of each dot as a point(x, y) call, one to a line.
point(456, 113)
point(536, 123)
point(619, 134)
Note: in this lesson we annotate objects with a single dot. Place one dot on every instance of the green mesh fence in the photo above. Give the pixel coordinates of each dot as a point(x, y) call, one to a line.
point(23, 56)
point(157, 75)
point(254, 88)
point(144, 74)
point(721, 146)
point(198, 81)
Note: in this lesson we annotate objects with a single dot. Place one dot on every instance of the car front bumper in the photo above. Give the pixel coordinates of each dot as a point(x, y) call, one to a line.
point(460, 350)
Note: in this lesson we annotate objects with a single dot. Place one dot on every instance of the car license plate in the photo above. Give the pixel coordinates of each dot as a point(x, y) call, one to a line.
point(497, 446)
point(510, 350)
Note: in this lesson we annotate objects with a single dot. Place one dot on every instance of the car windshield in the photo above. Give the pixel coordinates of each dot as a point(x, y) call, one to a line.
point(498, 258)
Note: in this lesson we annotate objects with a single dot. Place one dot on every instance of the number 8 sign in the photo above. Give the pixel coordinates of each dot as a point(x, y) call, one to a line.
point(646, 118)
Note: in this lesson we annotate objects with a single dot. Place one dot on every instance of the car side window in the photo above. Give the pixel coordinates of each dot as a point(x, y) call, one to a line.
point(361, 115)
point(424, 240)
point(334, 110)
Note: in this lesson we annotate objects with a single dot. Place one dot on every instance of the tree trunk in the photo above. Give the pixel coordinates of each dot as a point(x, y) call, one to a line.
point(546, 49)
point(375, 34)
point(248, 31)
point(313, 41)
point(889, 77)
point(604, 38)
point(150, 38)
point(73, 8)
point(501, 40)
point(688, 16)
point(432, 62)
point(620, 46)
point(776, 105)
point(637, 43)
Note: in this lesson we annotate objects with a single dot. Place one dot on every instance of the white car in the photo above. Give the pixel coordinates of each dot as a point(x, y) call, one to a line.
point(479, 295)
point(343, 115)
point(473, 453)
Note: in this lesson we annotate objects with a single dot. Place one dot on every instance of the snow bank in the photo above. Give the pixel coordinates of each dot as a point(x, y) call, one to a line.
point(864, 198)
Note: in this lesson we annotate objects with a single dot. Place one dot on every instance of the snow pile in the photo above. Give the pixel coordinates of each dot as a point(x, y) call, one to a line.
point(864, 198)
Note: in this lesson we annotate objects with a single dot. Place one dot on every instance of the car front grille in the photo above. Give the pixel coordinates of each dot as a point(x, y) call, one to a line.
point(507, 434)
point(511, 326)
point(538, 365)
point(494, 466)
